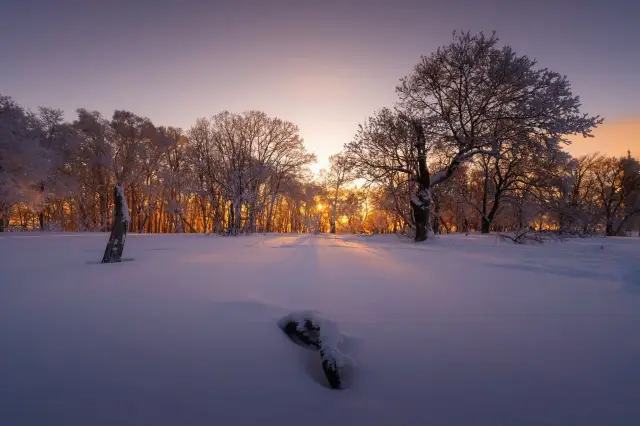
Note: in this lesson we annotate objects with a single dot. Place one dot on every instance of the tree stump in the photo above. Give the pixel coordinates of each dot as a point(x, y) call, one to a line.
point(115, 246)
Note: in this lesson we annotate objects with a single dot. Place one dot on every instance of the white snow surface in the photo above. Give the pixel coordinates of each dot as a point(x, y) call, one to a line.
point(462, 330)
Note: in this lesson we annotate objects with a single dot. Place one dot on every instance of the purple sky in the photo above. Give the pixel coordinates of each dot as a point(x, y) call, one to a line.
point(325, 65)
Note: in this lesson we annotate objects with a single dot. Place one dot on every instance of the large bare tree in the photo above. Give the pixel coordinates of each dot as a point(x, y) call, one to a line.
point(467, 99)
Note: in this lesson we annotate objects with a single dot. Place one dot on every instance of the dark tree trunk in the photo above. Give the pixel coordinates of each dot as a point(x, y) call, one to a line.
point(115, 246)
point(436, 217)
point(41, 221)
point(484, 223)
point(609, 228)
point(487, 218)
point(421, 204)
point(1, 224)
point(485, 226)
point(421, 218)
point(232, 218)
point(251, 225)
point(204, 215)
point(104, 202)
point(334, 212)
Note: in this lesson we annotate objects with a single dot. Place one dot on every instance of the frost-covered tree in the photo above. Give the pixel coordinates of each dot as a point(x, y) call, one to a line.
point(59, 141)
point(569, 193)
point(92, 164)
point(242, 160)
point(467, 99)
point(23, 160)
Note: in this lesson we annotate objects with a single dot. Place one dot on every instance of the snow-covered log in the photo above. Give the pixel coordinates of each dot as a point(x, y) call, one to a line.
point(311, 330)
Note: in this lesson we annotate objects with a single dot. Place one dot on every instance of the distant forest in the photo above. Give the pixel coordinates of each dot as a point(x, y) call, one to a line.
point(474, 143)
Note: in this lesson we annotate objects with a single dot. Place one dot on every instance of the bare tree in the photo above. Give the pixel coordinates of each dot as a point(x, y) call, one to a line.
point(341, 172)
point(467, 99)
point(473, 97)
point(618, 186)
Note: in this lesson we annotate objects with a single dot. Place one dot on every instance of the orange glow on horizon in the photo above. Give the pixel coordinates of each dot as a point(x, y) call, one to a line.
point(613, 137)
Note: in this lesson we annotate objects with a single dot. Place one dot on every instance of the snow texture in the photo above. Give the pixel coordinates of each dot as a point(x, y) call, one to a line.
point(456, 331)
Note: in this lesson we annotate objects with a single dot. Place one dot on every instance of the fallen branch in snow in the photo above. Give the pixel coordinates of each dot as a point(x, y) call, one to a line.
point(565, 234)
point(528, 236)
point(310, 332)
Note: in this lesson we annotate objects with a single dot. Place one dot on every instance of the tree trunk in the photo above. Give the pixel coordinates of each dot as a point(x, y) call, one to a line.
point(485, 226)
point(251, 225)
point(115, 246)
point(485, 223)
point(104, 202)
point(421, 219)
point(619, 230)
point(270, 214)
point(334, 213)
point(609, 229)
point(421, 203)
point(238, 217)
point(436, 217)
point(487, 219)
point(203, 203)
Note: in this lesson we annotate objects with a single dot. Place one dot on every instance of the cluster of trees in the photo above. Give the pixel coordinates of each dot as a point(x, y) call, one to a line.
point(474, 143)
point(230, 173)
point(580, 196)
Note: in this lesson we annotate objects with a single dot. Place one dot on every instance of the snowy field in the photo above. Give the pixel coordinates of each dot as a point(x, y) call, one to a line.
point(461, 331)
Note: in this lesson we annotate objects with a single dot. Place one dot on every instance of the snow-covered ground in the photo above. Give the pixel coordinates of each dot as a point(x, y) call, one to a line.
point(459, 331)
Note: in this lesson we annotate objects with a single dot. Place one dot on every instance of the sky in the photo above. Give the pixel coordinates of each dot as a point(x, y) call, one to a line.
point(324, 65)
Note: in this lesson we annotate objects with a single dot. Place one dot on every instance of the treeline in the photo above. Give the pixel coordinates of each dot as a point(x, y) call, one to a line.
point(591, 194)
point(230, 173)
point(474, 143)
